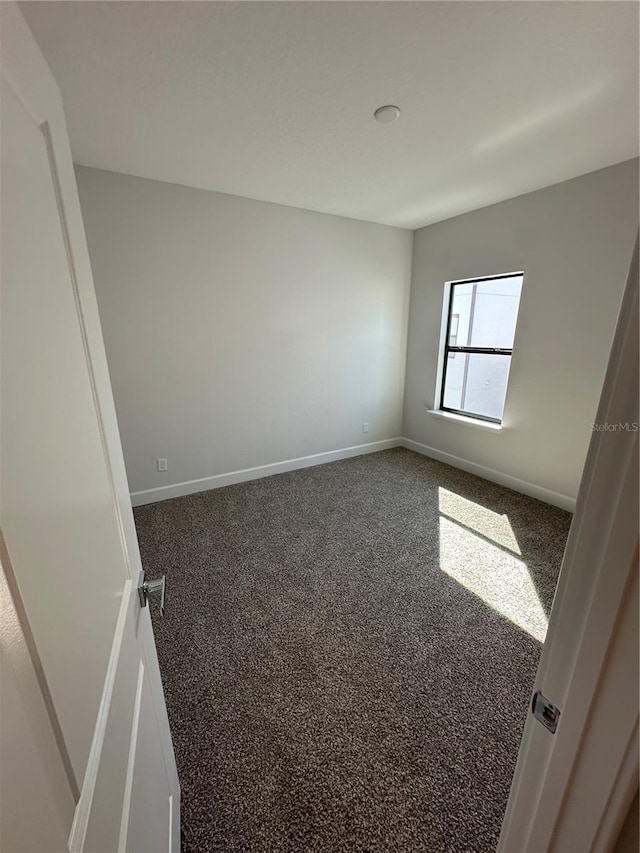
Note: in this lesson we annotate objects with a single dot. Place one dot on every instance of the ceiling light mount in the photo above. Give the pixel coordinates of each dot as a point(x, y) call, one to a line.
point(387, 114)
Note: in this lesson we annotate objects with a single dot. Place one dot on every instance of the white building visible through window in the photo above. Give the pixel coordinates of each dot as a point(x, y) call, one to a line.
point(481, 324)
point(453, 331)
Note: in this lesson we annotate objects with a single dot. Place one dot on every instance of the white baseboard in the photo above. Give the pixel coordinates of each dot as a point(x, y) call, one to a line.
point(530, 489)
point(178, 490)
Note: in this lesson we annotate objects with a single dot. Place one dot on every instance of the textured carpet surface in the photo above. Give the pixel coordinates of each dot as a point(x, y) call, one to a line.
point(348, 652)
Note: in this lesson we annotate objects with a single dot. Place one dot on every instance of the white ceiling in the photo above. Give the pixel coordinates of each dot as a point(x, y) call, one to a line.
point(274, 100)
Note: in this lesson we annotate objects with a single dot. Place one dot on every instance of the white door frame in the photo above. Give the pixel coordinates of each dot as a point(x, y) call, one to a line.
point(591, 646)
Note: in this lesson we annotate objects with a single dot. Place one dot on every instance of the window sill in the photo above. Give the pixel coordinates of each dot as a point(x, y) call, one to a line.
point(463, 419)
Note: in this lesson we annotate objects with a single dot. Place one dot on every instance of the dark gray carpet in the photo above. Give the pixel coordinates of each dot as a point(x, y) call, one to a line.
point(332, 683)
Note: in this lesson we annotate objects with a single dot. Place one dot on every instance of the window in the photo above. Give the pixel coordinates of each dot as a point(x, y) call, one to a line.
point(453, 331)
point(478, 344)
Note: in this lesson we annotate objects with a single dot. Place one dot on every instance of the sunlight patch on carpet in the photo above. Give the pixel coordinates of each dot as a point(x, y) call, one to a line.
point(491, 571)
point(484, 521)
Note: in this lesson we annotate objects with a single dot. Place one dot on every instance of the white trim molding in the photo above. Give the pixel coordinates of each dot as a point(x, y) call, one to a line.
point(526, 488)
point(178, 490)
point(217, 481)
point(83, 809)
point(469, 420)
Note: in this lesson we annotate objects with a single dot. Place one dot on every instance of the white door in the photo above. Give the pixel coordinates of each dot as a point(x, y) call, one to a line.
point(572, 790)
point(64, 506)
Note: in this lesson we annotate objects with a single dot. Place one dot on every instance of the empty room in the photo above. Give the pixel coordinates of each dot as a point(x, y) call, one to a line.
point(319, 423)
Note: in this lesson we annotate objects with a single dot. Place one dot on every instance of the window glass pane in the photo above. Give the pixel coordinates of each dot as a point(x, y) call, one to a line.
point(487, 312)
point(476, 383)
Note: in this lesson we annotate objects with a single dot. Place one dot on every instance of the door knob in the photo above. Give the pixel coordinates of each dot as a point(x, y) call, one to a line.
point(146, 587)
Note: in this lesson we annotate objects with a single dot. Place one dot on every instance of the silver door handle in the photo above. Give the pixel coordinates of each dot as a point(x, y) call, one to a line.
point(146, 587)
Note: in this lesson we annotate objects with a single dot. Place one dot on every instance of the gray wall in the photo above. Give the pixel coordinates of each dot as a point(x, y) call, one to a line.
point(574, 241)
point(241, 333)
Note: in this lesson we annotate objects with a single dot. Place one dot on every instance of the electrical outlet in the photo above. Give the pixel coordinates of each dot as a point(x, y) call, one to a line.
point(365, 427)
point(161, 464)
